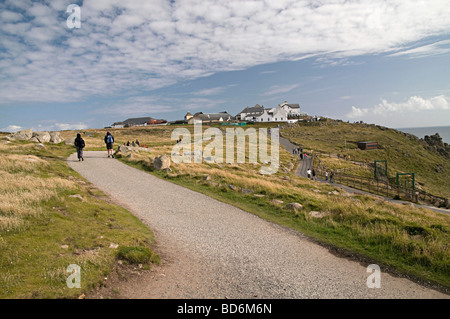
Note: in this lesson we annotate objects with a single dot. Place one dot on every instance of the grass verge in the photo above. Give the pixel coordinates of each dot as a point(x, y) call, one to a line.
point(50, 218)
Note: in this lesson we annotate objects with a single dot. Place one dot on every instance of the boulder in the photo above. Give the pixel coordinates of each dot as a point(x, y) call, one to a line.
point(277, 201)
point(69, 141)
point(55, 138)
point(294, 206)
point(246, 191)
point(40, 145)
point(161, 162)
point(34, 140)
point(232, 187)
point(43, 137)
point(318, 214)
point(24, 135)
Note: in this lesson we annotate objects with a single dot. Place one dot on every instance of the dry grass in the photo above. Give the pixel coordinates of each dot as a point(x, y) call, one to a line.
point(22, 189)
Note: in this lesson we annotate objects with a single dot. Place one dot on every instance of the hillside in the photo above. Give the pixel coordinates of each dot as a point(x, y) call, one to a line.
point(405, 153)
point(402, 237)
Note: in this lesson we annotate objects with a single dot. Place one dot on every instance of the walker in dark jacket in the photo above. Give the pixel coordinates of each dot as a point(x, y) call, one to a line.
point(109, 141)
point(79, 144)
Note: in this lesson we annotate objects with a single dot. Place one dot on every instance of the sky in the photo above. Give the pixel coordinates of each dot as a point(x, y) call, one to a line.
point(382, 62)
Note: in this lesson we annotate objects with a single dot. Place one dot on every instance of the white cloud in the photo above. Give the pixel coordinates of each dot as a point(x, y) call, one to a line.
point(213, 91)
point(144, 45)
point(68, 126)
point(278, 89)
point(437, 48)
point(11, 128)
point(413, 104)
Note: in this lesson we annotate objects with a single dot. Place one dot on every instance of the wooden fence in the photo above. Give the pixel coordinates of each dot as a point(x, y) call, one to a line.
point(382, 187)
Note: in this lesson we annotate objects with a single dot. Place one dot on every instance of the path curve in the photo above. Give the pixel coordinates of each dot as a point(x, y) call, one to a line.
point(214, 250)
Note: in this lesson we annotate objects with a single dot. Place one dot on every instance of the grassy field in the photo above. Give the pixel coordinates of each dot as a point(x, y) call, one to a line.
point(404, 152)
point(411, 240)
point(51, 218)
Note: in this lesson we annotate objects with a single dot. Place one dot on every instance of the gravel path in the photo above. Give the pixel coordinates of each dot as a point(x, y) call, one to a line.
point(214, 250)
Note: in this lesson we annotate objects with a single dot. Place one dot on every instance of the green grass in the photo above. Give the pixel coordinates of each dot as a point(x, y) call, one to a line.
point(404, 152)
point(410, 240)
point(68, 230)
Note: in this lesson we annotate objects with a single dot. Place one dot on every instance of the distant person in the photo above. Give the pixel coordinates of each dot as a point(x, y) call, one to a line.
point(109, 141)
point(313, 174)
point(128, 143)
point(331, 177)
point(308, 172)
point(133, 144)
point(79, 144)
point(294, 151)
point(326, 175)
point(137, 143)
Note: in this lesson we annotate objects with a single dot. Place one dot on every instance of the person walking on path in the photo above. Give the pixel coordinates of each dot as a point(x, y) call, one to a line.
point(331, 177)
point(79, 144)
point(109, 141)
point(313, 174)
point(326, 175)
point(309, 172)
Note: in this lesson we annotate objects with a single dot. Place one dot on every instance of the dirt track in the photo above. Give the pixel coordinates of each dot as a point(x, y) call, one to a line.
point(213, 250)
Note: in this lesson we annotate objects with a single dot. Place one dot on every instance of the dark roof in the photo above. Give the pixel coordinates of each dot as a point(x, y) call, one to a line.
point(137, 121)
point(255, 109)
point(293, 106)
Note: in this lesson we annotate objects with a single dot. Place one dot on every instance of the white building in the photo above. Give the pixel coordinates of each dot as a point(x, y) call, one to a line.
point(283, 113)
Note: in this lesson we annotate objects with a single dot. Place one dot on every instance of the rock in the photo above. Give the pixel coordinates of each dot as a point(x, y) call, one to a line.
point(207, 178)
point(439, 168)
point(246, 191)
point(259, 195)
point(232, 187)
point(167, 169)
point(294, 206)
point(43, 137)
point(316, 191)
point(78, 196)
point(277, 201)
point(318, 214)
point(24, 135)
point(65, 246)
point(447, 203)
point(333, 193)
point(55, 138)
point(290, 166)
point(40, 145)
point(161, 162)
point(69, 141)
point(34, 140)
point(113, 245)
point(172, 175)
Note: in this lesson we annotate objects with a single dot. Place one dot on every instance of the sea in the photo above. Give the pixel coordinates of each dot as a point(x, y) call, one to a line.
point(420, 132)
